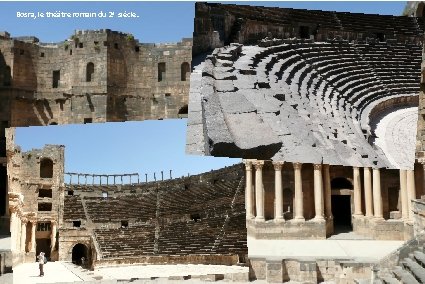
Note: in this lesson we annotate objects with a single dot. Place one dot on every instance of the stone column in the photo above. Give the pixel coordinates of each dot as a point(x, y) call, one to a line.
point(318, 192)
point(23, 235)
point(278, 194)
point(299, 199)
point(357, 192)
point(33, 229)
point(328, 192)
point(248, 189)
point(377, 195)
point(13, 232)
point(53, 235)
point(368, 192)
point(18, 233)
point(411, 191)
point(403, 195)
point(259, 190)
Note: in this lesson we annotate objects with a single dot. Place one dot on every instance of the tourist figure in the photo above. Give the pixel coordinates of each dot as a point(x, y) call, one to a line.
point(41, 261)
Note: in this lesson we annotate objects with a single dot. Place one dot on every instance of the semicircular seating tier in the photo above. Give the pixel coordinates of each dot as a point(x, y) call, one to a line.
point(197, 215)
point(304, 101)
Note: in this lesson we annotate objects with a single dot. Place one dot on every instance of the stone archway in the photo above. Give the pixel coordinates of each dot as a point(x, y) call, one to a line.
point(78, 252)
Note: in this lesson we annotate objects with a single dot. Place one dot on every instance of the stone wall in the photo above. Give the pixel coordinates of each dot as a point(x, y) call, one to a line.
point(382, 229)
point(288, 230)
point(68, 238)
point(217, 25)
point(308, 271)
point(193, 259)
point(94, 76)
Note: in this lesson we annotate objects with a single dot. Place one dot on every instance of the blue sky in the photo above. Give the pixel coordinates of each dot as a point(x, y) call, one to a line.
point(148, 146)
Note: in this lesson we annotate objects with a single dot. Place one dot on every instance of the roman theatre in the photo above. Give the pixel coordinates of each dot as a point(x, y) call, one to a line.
point(326, 109)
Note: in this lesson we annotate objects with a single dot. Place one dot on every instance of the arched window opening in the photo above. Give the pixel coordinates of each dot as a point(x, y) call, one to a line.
point(185, 71)
point(89, 72)
point(46, 168)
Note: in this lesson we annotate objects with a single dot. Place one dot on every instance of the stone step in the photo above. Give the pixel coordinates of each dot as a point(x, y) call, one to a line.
point(420, 257)
point(404, 276)
point(390, 280)
point(417, 270)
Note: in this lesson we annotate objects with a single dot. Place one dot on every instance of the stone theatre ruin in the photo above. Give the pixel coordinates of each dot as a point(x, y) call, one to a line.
point(326, 109)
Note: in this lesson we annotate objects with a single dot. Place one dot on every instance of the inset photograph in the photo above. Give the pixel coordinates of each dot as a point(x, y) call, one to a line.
point(306, 86)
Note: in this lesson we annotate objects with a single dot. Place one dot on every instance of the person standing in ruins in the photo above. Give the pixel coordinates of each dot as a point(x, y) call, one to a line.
point(41, 261)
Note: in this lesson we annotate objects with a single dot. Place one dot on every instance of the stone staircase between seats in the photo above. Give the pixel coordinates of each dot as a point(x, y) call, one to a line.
point(411, 270)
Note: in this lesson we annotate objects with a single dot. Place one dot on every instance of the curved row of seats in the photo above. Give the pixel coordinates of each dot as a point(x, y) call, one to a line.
point(203, 216)
point(175, 239)
point(317, 95)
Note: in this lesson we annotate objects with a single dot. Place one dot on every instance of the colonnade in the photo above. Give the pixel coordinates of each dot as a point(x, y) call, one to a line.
point(320, 187)
point(19, 233)
point(322, 192)
point(18, 228)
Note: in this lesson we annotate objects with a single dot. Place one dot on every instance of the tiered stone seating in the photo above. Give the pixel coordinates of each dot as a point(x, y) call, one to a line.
point(140, 207)
point(395, 64)
point(73, 209)
point(362, 22)
point(232, 241)
point(184, 238)
point(125, 242)
point(160, 220)
point(310, 100)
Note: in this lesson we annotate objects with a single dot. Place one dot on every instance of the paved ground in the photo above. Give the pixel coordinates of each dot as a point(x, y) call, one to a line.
point(362, 250)
point(57, 272)
point(54, 272)
point(396, 134)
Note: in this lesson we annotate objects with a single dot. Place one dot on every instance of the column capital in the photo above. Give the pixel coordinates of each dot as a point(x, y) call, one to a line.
point(278, 165)
point(297, 166)
point(13, 208)
point(317, 166)
point(248, 164)
point(355, 168)
point(258, 164)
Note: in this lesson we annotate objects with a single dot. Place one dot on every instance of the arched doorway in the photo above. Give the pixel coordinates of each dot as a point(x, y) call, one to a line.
point(342, 190)
point(78, 252)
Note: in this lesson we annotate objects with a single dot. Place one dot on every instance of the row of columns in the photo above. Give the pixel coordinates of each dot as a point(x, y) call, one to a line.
point(299, 205)
point(18, 228)
point(322, 192)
